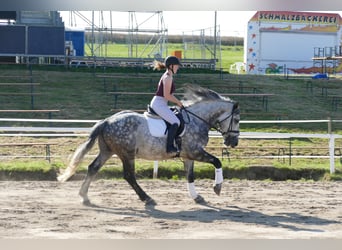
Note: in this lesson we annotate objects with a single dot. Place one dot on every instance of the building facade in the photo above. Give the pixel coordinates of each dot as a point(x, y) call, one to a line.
point(279, 41)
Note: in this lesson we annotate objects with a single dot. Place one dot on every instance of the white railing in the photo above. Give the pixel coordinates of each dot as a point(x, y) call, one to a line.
point(84, 131)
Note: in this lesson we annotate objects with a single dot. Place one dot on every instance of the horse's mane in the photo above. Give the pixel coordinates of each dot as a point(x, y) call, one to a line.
point(194, 94)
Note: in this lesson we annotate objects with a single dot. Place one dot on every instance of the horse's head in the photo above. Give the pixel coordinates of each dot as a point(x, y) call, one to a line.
point(221, 113)
point(229, 126)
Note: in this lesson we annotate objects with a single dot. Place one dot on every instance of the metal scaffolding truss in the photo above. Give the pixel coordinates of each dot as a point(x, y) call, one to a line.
point(203, 43)
point(144, 36)
point(100, 28)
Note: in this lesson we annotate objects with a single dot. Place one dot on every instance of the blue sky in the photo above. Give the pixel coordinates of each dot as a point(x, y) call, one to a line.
point(231, 23)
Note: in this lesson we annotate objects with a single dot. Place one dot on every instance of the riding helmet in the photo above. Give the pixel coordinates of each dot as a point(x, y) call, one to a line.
point(171, 60)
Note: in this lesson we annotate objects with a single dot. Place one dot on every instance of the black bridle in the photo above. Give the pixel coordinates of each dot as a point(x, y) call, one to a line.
point(235, 111)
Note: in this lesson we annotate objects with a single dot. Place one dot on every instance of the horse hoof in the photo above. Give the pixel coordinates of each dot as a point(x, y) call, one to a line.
point(86, 203)
point(199, 199)
point(150, 202)
point(217, 188)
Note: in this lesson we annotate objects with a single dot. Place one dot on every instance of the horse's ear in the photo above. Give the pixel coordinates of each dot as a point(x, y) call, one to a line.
point(236, 105)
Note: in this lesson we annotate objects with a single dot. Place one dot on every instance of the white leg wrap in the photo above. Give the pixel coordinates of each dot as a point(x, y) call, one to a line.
point(218, 176)
point(192, 192)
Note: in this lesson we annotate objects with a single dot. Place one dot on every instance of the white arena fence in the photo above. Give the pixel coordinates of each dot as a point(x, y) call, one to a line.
point(6, 131)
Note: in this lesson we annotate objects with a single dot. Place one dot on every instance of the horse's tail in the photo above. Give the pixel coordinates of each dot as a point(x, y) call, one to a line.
point(81, 151)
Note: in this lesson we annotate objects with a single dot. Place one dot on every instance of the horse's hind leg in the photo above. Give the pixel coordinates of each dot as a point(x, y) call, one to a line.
point(129, 175)
point(93, 168)
point(189, 168)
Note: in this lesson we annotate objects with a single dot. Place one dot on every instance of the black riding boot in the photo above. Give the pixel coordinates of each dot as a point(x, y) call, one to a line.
point(170, 148)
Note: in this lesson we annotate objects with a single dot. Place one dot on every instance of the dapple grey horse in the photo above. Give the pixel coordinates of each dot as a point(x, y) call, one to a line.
point(127, 135)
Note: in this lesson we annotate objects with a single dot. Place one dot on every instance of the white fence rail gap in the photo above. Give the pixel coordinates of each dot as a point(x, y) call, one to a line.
point(81, 131)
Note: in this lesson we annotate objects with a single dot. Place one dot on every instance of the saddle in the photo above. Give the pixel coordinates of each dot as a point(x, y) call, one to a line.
point(151, 113)
point(159, 127)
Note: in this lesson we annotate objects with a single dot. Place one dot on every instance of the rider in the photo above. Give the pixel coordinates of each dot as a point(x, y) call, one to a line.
point(164, 94)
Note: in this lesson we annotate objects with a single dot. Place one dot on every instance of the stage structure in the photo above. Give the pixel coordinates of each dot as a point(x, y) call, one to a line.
point(35, 36)
point(101, 30)
point(144, 37)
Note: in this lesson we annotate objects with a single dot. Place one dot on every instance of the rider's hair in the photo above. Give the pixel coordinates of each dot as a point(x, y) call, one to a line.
point(158, 65)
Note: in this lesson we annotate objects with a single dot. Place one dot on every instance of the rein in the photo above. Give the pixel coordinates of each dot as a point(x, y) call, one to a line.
point(213, 126)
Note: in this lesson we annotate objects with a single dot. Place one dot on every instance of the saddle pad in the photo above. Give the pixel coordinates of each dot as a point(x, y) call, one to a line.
point(156, 126)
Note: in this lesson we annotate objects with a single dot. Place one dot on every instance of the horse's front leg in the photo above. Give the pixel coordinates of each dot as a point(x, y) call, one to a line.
point(189, 168)
point(209, 158)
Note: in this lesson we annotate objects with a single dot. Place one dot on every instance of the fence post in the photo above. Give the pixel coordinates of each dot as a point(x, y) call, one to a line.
point(331, 147)
point(155, 169)
point(31, 87)
point(332, 153)
point(290, 149)
point(329, 125)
